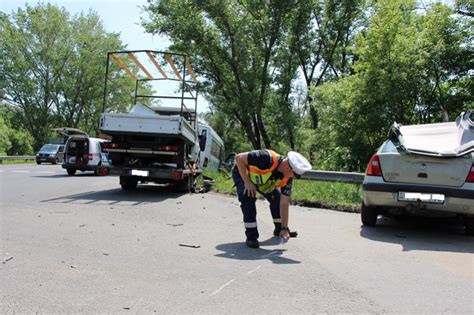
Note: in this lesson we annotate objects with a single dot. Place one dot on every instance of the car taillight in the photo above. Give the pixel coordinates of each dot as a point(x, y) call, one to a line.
point(470, 176)
point(177, 174)
point(168, 148)
point(373, 168)
point(110, 145)
point(103, 171)
point(91, 156)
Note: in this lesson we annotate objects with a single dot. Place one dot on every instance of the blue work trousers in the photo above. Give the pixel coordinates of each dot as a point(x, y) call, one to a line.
point(249, 210)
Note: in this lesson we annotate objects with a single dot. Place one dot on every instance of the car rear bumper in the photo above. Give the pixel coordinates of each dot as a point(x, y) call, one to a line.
point(79, 167)
point(382, 194)
point(46, 159)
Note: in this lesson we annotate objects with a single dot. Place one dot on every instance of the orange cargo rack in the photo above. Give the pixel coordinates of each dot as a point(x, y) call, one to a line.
point(178, 68)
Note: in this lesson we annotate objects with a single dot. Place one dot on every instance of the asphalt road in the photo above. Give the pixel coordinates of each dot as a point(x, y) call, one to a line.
point(82, 245)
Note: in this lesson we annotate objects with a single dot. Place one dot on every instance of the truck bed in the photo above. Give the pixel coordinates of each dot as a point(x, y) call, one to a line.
point(156, 125)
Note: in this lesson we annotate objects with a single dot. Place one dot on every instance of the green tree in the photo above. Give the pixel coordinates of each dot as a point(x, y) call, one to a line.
point(412, 67)
point(446, 59)
point(249, 53)
point(465, 7)
point(54, 67)
point(320, 38)
point(5, 143)
point(233, 44)
point(20, 142)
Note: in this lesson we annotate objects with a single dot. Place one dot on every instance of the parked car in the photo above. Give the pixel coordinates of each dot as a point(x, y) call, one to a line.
point(51, 153)
point(84, 153)
point(423, 170)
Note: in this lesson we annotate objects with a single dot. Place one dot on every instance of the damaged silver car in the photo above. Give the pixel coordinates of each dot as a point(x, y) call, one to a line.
point(423, 170)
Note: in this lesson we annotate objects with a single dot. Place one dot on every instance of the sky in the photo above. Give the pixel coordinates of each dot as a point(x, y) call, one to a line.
point(118, 16)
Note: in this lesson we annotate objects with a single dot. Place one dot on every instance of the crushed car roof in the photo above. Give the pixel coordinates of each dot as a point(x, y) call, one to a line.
point(451, 139)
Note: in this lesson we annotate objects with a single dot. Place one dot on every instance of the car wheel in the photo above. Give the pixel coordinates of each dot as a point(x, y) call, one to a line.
point(55, 161)
point(128, 183)
point(38, 162)
point(368, 215)
point(71, 172)
point(469, 224)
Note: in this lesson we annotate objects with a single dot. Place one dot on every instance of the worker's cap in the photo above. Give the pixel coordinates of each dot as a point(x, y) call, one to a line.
point(298, 163)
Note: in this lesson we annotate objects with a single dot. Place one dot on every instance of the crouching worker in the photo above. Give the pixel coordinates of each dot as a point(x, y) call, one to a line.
point(271, 175)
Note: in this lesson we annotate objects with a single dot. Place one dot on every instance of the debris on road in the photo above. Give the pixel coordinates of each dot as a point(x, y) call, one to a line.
point(7, 259)
point(175, 224)
point(188, 245)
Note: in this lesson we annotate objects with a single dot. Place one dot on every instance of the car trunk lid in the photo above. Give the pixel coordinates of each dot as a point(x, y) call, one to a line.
point(68, 132)
point(422, 169)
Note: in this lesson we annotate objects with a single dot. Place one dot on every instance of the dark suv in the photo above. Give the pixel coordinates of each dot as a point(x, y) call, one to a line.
point(51, 153)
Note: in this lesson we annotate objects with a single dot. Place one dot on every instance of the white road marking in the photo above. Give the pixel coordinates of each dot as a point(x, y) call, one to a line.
point(20, 171)
point(253, 270)
point(220, 289)
point(230, 281)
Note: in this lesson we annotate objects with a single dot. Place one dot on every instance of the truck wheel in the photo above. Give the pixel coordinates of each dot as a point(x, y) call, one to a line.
point(71, 172)
point(368, 215)
point(128, 183)
point(469, 224)
point(187, 184)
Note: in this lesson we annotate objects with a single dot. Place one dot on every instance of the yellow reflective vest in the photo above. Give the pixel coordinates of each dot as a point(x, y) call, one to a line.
point(261, 178)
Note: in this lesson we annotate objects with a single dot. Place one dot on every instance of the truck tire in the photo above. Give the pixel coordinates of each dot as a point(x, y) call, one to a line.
point(469, 224)
point(187, 184)
point(128, 183)
point(368, 215)
point(71, 172)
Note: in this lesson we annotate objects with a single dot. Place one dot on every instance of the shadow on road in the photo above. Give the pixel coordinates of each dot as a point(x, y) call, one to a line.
point(59, 176)
point(241, 252)
point(142, 195)
point(415, 233)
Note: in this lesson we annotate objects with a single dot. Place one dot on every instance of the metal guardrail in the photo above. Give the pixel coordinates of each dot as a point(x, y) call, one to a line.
point(325, 176)
point(328, 176)
point(17, 158)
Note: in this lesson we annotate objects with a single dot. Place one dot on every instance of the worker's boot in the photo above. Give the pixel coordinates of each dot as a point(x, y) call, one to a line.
point(276, 232)
point(252, 237)
point(252, 243)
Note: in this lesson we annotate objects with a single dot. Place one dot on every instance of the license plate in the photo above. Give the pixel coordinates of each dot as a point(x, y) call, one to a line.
point(139, 173)
point(421, 197)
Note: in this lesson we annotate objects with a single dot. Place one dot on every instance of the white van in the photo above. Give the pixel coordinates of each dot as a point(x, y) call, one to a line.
point(211, 155)
point(83, 153)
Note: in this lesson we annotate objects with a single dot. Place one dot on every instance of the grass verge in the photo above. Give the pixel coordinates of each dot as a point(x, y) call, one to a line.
point(6, 162)
point(308, 193)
